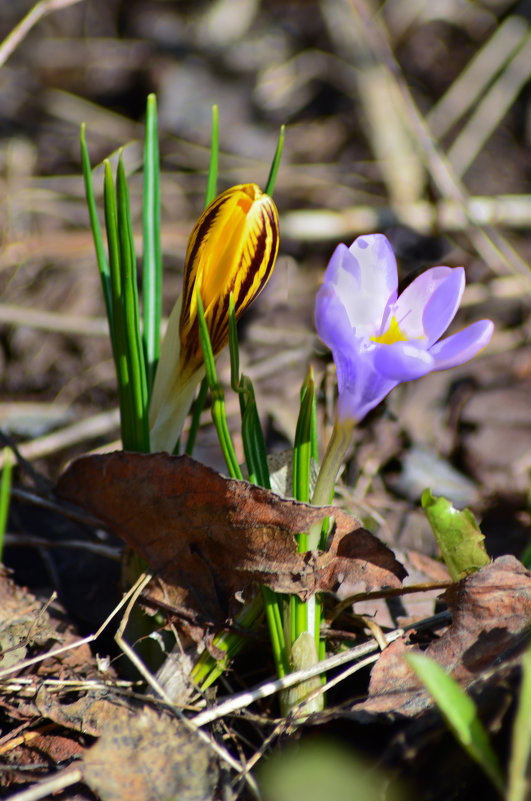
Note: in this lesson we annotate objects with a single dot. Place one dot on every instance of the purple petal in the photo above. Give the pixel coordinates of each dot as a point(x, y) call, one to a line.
point(340, 260)
point(403, 361)
point(360, 386)
point(331, 320)
point(377, 265)
point(428, 305)
point(443, 306)
point(459, 348)
point(365, 278)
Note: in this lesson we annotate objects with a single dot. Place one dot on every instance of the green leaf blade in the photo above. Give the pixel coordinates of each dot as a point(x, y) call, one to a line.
point(152, 260)
point(131, 319)
point(271, 181)
point(219, 415)
point(460, 714)
point(101, 258)
point(303, 448)
point(519, 764)
point(212, 180)
point(118, 335)
point(8, 460)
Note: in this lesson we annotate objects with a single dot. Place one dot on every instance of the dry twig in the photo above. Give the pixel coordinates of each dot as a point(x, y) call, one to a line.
point(20, 31)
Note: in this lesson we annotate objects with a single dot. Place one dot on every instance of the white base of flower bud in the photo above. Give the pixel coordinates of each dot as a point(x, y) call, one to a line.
point(303, 655)
point(170, 400)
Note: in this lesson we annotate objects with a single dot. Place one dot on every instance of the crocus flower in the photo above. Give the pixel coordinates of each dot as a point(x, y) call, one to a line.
point(232, 249)
point(377, 339)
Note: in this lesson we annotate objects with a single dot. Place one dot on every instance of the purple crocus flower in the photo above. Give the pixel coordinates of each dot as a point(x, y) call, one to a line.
point(377, 339)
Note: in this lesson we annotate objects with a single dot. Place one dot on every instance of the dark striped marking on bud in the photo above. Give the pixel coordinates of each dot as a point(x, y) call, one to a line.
point(232, 248)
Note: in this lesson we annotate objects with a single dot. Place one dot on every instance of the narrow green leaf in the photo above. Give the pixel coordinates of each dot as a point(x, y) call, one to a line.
point(526, 556)
point(131, 319)
point(276, 630)
point(252, 434)
point(152, 261)
point(118, 329)
point(5, 493)
point(199, 405)
point(208, 353)
point(302, 613)
point(519, 765)
point(219, 416)
point(302, 449)
point(314, 438)
point(258, 469)
point(460, 714)
point(270, 186)
point(206, 670)
point(234, 348)
point(458, 535)
point(253, 437)
point(103, 264)
point(212, 181)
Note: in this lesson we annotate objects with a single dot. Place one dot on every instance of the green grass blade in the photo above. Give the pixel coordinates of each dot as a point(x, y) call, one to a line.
point(137, 388)
point(199, 405)
point(219, 416)
point(302, 449)
point(270, 186)
point(253, 437)
point(118, 329)
point(212, 181)
point(5, 493)
point(314, 436)
point(206, 670)
point(460, 714)
point(103, 264)
point(252, 434)
point(152, 261)
point(525, 558)
point(301, 614)
point(256, 460)
point(276, 631)
point(519, 764)
point(258, 469)
point(210, 194)
point(234, 348)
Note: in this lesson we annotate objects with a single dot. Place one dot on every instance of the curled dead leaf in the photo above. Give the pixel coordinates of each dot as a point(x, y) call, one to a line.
point(491, 612)
point(207, 537)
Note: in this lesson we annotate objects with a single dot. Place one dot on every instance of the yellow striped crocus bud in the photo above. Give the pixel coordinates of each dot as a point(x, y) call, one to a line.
point(232, 249)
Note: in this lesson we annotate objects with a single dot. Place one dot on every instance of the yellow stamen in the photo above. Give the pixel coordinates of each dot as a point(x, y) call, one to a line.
point(392, 335)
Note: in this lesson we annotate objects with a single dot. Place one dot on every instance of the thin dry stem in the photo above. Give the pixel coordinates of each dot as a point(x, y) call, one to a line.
point(20, 31)
point(139, 586)
point(244, 699)
point(63, 649)
point(49, 786)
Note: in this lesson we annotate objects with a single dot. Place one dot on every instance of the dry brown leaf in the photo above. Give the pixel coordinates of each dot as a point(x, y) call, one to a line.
point(32, 753)
point(87, 714)
point(27, 624)
point(208, 537)
point(147, 757)
point(491, 611)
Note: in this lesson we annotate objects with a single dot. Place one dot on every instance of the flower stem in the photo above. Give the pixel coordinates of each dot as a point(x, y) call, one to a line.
point(333, 459)
point(307, 616)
